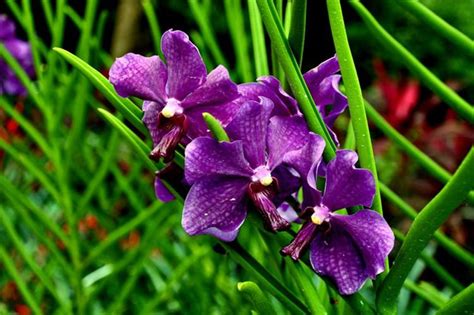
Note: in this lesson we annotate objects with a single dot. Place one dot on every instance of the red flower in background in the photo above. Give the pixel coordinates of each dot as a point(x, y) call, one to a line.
point(400, 95)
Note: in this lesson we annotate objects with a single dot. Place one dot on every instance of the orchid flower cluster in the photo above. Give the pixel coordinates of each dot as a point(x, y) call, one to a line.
point(270, 156)
point(21, 51)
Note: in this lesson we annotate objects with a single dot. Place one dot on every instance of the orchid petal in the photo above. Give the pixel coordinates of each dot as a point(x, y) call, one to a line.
point(216, 206)
point(186, 69)
point(334, 254)
point(7, 27)
point(250, 125)
point(217, 90)
point(162, 192)
point(142, 77)
point(347, 186)
point(372, 236)
point(285, 134)
point(316, 75)
point(206, 157)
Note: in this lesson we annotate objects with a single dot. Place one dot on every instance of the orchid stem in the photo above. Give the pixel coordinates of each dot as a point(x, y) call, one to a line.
point(296, 35)
point(409, 148)
point(449, 245)
point(258, 40)
point(462, 303)
point(288, 61)
point(241, 256)
point(421, 231)
point(439, 25)
point(463, 108)
point(435, 266)
point(255, 295)
point(354, 95)
point(22, 286)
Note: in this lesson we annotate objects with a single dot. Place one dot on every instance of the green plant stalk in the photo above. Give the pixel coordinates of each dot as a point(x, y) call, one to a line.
point(15, 196)
point(463, 108)
point(150, 238)
point(74, 248)
point(286, 23)
point(107, 160)
point(258, 40)
point(140, 147)
point(277, 70)
point(27, 127)
point(440, 26)
point(255, 295)
point(124, 230)
point(48, 13)
point(436, 267)
point(17, 12)
point(79, 111)
point(83, 49)
point(412, 286)
point(203, 22)
point(135, 273)
point(308, 289)
point(293, 74)
point(409, 148)
point(294, 305)
point(124, 106)
point(22, 286)
point(215, 127)
point(350, 142)
point(32, 37)
point(421, 231)
point(15, 238)
point(355, 98)
point(235, 22)
point(149, 10)
point(296, 35)
point(449, 245)
point(177, 275)
point(57, 34)
point(32, 167)
point(125, 187)
point(74, 16)
point(461, 303)
point(20, 203)
point(133, 138)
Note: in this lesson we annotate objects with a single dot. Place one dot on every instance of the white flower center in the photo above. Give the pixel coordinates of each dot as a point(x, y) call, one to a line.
point(262, 175)
point(172, 107)
point(320, 214)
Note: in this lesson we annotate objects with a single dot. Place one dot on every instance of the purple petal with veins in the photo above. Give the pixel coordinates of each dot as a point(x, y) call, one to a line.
point(335, 255)
point(250, 125)
point(347, 186)
point(206, 157)
point(216, 206)
point(186, 69)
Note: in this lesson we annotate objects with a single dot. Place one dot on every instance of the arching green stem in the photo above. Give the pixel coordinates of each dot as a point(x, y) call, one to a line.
point(422, 230)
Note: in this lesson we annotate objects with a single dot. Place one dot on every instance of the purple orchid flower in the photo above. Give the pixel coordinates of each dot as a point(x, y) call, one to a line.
point(21, 51)
point(225, 176)
point(347, 248)
point(323, 83)
point(175, 94)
